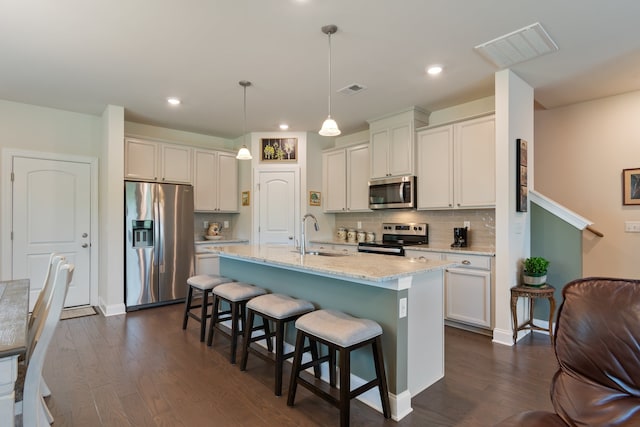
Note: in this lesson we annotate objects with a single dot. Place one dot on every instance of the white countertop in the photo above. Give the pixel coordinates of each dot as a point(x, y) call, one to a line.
point(361, 267)
point(223, 241)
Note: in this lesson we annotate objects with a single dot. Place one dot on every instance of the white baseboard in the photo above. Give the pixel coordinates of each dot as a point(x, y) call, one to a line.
point(112, 310)
point(505, 337)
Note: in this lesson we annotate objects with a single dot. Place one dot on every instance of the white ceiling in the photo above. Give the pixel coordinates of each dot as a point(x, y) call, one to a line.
point(81, 55)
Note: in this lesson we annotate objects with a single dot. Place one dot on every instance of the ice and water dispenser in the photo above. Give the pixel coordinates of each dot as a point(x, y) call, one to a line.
point(142, 233)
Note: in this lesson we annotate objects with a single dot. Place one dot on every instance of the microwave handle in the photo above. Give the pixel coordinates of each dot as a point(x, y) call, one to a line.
point(401, 191)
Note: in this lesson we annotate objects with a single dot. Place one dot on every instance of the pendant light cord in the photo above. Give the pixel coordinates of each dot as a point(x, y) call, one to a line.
point(329, 74)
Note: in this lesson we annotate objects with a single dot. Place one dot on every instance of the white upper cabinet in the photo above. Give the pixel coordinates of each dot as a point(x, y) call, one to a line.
point(392, 143)
point(345, 179)
point(456, 165)
point(156, 161)
point(215, 181)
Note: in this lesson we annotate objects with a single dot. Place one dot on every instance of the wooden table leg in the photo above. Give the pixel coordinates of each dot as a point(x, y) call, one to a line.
point(514, 315)
point(552, 310)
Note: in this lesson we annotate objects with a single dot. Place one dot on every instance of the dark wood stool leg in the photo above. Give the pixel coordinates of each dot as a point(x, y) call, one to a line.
point(236, 312)
point(203, 313)
point(215, 317)
point(313, 346)
point(332, 366)
point(187, 307)
point(295, 369)
point(247, 341)
point(267, 332)
point(279, 355)
point(345, 386)
point(378, 360)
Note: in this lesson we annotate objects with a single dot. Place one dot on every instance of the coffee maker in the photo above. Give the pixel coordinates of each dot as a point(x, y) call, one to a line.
point(459, 237)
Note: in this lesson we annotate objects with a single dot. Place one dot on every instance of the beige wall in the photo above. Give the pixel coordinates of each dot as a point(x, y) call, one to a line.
point(580, 151)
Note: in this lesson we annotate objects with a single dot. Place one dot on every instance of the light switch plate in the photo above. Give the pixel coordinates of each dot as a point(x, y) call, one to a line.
point(402, 308)
point(467, 224)
point(226, 224)
point(632, 226)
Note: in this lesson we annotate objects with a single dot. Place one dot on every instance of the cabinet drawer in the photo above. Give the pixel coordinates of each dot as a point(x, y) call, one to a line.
point(470, 261)
point(434, 256)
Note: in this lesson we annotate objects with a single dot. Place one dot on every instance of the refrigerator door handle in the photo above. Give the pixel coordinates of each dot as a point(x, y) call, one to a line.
point(159, 214)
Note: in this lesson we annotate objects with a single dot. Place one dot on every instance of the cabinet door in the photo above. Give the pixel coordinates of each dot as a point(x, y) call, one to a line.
point(435, 168)
point(475, 163)
point(205, 188)
point(334, 180)
point(141, 160)
point(468, 296)
point(358, 178)
point(401, 150)
point(430, 256)
point(227, 182)
point(207, 264)
point(176, 163)
point(379, 153)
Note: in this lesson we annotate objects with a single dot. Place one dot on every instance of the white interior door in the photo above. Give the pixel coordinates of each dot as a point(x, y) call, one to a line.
point(277, 193)
point(51, 212)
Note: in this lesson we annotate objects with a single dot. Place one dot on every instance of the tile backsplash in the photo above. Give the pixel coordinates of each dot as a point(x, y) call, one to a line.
point(441, 223)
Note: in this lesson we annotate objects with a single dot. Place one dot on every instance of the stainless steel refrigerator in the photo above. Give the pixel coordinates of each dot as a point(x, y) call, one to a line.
point(158, 243)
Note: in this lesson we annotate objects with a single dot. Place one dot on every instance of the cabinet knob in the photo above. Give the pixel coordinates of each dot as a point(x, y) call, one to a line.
point(466, 262)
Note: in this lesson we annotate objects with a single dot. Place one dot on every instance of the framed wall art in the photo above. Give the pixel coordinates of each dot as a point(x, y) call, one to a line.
point(246, 198)
point(279, 149)
point(522, 193)
point(314, 198)
point(631, 186)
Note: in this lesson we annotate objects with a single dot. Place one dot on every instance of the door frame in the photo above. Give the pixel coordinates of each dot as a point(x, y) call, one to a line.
point(6, 243)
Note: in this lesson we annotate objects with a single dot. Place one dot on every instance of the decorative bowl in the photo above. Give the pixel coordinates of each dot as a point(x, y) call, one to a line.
point(217, 237)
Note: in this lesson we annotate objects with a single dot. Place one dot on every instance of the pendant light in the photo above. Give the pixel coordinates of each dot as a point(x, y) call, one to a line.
point(244, 153)
point(329, 127)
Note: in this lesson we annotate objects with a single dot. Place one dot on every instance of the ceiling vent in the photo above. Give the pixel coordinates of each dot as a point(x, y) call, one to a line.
point(519, 46)
point(352, 89)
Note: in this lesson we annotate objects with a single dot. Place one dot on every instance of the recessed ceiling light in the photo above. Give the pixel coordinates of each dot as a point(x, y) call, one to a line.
point(434, 70)
point(284, 126)
point(173, 101)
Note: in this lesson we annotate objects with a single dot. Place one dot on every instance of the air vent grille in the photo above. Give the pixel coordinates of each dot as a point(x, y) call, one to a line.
point(519, 46)
point(352, 89)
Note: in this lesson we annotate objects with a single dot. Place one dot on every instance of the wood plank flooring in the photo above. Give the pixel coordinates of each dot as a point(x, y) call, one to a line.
point(142, 369)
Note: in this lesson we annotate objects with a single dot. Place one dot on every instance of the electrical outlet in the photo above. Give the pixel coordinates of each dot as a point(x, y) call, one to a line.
point(467, 224)
point(226, 224)
point(205, 224)
point(359, 225)
point(632, 226)
point(403, 308)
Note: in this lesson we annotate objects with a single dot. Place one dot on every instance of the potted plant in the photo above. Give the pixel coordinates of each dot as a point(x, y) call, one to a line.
point(535, 271)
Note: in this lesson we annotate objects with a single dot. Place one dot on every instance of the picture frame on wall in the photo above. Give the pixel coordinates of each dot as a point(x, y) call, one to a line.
point(279, 150)
point(246, 198)
point(522, 192)
point(314, 198)
point(631, 186)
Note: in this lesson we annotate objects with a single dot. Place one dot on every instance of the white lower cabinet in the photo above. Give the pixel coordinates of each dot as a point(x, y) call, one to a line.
point(335, 247)
point(207, 264)
point(468, 287)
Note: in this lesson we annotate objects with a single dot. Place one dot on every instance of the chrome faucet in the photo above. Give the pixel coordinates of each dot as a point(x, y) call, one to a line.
point(303, 243)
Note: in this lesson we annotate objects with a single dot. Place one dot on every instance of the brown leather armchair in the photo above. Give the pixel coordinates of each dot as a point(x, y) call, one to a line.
point(597, 345)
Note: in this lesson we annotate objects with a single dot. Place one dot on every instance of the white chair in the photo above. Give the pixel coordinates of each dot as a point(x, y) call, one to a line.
point(32, 406)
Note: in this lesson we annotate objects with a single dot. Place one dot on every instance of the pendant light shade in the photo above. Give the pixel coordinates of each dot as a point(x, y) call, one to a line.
point(329, 127)
point(244, 153)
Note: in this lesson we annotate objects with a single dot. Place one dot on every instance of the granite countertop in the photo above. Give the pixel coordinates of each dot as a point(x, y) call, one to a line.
point(472, 250)
point(361, 267)
point(223, 241)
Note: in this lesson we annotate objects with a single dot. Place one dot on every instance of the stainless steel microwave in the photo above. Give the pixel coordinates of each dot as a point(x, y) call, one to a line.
point(393, 193)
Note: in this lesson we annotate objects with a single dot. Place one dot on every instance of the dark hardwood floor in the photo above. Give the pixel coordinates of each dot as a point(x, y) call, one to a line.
point(142, 369)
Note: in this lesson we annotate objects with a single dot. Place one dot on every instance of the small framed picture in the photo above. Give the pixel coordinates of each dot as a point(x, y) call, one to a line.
point(631, 186)
point(246, 198)
point(522, 192)
point(314, 198)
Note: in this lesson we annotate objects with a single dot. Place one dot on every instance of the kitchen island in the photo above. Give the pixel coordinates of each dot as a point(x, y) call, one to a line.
point(405, 296)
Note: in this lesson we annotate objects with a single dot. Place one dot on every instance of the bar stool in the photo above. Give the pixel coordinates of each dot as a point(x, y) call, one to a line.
point(342, 333)
point(203, 283)
point(279, 309)
point(236, 294)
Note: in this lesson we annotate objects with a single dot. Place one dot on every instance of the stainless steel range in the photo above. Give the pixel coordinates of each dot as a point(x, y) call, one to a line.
point(395, 237)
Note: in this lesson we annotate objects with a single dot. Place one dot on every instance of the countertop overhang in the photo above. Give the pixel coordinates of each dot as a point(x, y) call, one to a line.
point(383, 271)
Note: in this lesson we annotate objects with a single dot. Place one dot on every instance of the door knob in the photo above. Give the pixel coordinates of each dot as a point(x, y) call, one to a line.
point(84, 245)
point(84, 234)
point(290, 237)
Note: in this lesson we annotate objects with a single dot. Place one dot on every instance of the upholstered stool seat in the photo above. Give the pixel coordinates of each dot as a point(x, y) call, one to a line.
point(341, 333)
point(236, 294)
point(203, 283)
point(279, 309)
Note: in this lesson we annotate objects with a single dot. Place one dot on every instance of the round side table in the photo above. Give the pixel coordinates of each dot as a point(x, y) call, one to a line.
point(532, 292)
